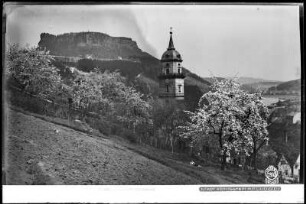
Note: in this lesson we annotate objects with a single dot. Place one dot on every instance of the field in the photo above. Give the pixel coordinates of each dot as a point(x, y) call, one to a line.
point(42, 152)
point(269, 99)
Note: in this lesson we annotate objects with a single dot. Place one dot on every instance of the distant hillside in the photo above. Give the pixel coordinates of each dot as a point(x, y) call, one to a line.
point(248, 80)
point(262, 86)
point(194, 79)
point(98, 50)
point(210, 79)
point(289, 87)
point(250, 84)
point(251, 80)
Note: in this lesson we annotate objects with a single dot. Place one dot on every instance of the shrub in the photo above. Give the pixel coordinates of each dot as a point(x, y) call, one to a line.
point(117, 129)
point(101, 125)
point(129, 135)
point(26, 102)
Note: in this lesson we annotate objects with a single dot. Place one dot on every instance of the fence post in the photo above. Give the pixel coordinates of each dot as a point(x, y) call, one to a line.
point(69, 110)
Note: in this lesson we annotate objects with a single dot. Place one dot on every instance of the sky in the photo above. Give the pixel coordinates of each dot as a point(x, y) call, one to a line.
point(260, 41)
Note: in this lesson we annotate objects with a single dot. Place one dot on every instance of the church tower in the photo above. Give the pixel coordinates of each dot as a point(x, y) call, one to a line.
point(171, 77)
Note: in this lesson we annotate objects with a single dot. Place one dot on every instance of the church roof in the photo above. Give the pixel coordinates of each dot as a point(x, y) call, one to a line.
point(171, 45)
point(171, 54)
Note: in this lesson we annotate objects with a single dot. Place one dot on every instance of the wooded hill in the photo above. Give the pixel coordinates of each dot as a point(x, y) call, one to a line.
point(122, 54)
point(288, 87)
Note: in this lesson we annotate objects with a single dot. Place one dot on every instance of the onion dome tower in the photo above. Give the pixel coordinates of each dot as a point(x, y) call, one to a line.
point(171, 77)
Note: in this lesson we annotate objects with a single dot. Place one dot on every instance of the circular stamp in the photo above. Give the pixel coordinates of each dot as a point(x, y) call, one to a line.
point(271, 172)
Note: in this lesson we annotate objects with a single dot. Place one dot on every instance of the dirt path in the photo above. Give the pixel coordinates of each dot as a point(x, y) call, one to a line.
point(41, 152)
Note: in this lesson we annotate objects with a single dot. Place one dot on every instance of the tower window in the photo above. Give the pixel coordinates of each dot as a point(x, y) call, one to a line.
point(179, 70)
point(180, 90)
point(167, 65)
point(167, 86)
point(167, 71)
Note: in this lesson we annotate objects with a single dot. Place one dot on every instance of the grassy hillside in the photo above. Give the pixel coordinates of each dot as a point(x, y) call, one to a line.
point(42, 152)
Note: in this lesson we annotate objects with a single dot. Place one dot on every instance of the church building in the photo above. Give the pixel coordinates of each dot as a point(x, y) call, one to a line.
point(171, 77)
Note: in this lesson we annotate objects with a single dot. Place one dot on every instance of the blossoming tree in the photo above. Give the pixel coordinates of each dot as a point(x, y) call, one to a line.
point(236, 118)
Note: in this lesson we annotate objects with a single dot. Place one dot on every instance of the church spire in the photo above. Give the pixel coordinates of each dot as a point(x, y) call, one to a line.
point(171, 76)
point(171, 45)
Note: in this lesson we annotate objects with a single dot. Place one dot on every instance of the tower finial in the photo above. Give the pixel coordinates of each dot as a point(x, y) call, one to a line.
point(171, 45)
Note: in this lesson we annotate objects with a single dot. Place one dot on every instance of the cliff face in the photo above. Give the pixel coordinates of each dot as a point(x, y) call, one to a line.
point(124, 56)
point(90, 44)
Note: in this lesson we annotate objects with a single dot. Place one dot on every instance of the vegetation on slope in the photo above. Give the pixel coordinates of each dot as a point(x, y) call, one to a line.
point(290, 85)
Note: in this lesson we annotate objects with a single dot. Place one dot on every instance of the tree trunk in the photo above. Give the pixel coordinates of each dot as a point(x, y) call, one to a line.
point(166, 142)
point(171, 142)
point(139, 138)
point(223, 155)
point(134, 128)
point(69, 115)
point(190, 151)
point(254, 163)
point(223, 161)
point(255, 151)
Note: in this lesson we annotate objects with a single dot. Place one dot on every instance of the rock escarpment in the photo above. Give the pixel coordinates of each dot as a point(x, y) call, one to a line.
point(90, 45)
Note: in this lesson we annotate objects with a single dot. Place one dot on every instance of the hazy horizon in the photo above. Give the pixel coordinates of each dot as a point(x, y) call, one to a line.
point(245, 41)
